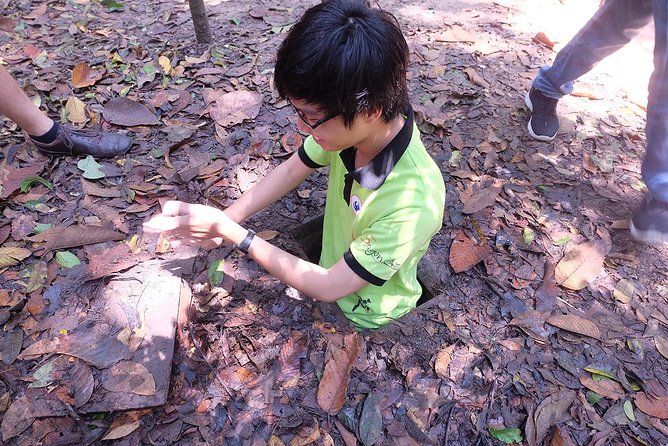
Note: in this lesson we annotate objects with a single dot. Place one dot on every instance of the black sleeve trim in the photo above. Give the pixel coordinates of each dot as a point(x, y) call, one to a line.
point(361, 271)
point(306, 160)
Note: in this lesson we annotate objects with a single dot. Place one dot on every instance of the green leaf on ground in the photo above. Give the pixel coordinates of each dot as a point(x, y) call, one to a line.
point(112, 5)
point(41, 227)
point(528, 235)
point(91, 169)
point(510, 435)
point(66, 259)
point(216, 273)
point(28, 181)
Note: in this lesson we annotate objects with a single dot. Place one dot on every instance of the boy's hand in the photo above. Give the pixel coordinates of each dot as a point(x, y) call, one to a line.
point(186, 221)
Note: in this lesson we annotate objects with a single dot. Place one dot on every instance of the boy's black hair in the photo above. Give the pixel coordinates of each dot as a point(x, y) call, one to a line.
point(347, 58)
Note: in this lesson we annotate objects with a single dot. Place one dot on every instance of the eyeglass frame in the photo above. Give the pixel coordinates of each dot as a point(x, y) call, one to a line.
point(317, 123)
point(362, 102)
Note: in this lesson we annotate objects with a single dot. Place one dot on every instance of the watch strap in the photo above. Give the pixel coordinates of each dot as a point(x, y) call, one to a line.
point(246, 242)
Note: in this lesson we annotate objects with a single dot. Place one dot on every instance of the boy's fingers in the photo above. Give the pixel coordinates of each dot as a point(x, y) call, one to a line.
point(173, 208)
point(163, 223)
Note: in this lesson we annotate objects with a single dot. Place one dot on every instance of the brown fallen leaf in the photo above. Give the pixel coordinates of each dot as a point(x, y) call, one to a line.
point(11, 180)
point(581, 265)
point(661, 345)
point(13, 255)
point(457, 141)
point(348, 437)
point(288, 358)
point(546, 294)
point(236, 107)
point(655, 407)
point(339, 359)
point(604, 387)
point(476, 78)
point(125, 424)
point(307, 435)
point(268, 234)
point(549, 412)
point(76, 110)
point(126, 112)
point(455, 34)
point(75, 235)
point(624, 291)
point(561, 438)
point(18, 417)
point(481, 199)
point(84, 76)
point(442, 361)
point(128, 376)
point(575, 324)
point(543, 39)
point(465, 253)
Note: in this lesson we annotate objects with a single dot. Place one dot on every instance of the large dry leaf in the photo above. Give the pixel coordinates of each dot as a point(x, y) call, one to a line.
point(76, 235)
point(656, 407)
point(18, 418)
point(125, 424)
point(11, 181)
point(481, 199)
point(371, 421)
point(547, 292)
point(661, 345)
point(82, 382)
point(340, 358)
point(10, 345)
point(604, 387)
point(76, 110)
point(581, 265)
point(289, 356)
point(624, 291)
point(575, 324)
point(12, 255)
point(84, 76)
point(465, 253)
point(128, 376)
point(126, 112)
point(549, 412)
point(456, 33)
point(442, 361)
point(235, 107)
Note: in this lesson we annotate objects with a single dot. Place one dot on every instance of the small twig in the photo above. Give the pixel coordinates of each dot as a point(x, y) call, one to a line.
point(447, 425)
point(199, 350)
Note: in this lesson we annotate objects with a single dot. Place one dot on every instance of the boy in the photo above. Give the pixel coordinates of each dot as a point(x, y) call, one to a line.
point(343, 69)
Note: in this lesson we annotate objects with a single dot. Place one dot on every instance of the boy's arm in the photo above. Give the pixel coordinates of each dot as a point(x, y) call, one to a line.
point(323, 284)
point(281, 180)
point(198, 222)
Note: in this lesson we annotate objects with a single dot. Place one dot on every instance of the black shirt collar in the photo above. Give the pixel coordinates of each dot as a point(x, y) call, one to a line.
point(373, 174)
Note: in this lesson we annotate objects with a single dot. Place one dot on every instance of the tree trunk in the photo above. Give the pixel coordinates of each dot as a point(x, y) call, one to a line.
point(200, 21)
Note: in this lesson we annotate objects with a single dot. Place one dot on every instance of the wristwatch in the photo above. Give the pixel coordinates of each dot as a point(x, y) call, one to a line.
point(246, 242)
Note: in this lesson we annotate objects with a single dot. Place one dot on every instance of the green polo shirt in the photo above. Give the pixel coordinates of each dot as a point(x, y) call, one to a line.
point(380, 219)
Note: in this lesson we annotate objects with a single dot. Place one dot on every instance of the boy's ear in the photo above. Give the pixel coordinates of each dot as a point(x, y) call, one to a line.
point(373, 114)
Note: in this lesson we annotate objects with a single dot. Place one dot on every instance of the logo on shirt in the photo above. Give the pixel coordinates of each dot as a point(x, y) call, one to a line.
point(356, 204)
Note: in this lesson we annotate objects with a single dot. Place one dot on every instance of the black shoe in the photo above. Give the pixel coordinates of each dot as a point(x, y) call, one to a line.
point(71, 141)
point(544, 122)
point(649, 223)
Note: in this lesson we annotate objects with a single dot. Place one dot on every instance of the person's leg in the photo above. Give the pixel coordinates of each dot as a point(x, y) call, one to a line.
point(610, 28)
point(18, 107)
point(650, 222)
point(50, 137)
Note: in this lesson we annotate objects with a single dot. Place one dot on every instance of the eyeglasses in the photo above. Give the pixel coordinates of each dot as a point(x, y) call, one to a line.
point(307, 121)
